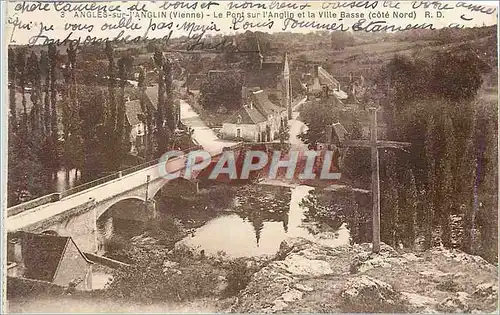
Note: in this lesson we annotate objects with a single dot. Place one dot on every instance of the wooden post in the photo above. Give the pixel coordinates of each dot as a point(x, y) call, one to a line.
point(374, 145)
point(375, 180)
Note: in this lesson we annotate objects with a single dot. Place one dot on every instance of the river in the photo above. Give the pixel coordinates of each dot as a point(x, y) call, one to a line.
point(64, 180)
point(258, 230)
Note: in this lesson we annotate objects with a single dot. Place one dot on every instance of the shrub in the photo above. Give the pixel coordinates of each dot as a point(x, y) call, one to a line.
point(239, 275)
point(152, 280)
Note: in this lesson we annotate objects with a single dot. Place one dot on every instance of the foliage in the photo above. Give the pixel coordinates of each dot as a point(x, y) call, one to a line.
point(356, 163)
point(93, 133)
point(317, 115)
point(341, 39)
point(25, 171)
point(436, 111)
point(239, 275)
point(149, 279)
point(222, 90)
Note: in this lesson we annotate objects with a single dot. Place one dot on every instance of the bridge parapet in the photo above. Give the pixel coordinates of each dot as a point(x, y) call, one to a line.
point(53, 197)
point(33, 204)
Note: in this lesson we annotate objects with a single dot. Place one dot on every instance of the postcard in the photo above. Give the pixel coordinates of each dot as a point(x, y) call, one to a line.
point(250, 157)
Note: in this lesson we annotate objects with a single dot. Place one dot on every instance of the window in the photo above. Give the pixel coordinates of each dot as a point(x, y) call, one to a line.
point(238, 133)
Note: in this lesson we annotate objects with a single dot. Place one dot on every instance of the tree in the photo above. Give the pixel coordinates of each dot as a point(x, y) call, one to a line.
point(390, 209)
point(408, 204)
point(470, 192)
point(45, 71)
point(53, 59)
point(121, 140)
point(21, 69)
point(169, 101)
point(34, 78)
point(72, 151)
point(111, 85)
point(141, 83)
point(488, 185)
point(356, 162)
point(162, 135)
point(435, 112)
point(340, 40)
point(25, 172)
point(222, 89)
point(456, 77)
point(447, 202)
point(12, 89)
point(317, 116)
point(430, 149)
point(91, 113)
point(113, 160)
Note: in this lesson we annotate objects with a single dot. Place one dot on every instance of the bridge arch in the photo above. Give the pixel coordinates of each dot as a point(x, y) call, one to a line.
point(106, 209)
point(174, 187)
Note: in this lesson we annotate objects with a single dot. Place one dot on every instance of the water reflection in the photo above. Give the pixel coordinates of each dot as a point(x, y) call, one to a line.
point(260, 231)
point(65, 180)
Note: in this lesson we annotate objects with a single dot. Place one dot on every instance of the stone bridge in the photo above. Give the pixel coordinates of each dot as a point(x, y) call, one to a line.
point(77, 214)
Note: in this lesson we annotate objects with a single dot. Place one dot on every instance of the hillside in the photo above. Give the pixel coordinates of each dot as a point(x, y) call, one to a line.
point(369, 56)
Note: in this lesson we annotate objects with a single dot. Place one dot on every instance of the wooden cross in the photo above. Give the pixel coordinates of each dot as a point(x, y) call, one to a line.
point(374, 145)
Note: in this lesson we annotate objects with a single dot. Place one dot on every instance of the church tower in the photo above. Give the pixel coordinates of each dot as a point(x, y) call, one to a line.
point(261, 57)
point(287, 87)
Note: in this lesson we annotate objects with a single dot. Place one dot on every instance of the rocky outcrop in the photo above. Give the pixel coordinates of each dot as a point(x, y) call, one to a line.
point(307, 276)
point(368, 295)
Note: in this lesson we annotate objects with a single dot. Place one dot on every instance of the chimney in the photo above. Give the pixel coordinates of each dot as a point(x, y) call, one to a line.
point(325, 92)
point(14, 250)
point(315, 73)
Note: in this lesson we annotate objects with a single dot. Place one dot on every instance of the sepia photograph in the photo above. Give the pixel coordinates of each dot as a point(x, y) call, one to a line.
point(224, 165)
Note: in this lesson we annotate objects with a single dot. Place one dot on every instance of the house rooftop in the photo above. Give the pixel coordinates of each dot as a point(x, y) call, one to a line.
point(326, 78)
point(263, 104)
point(42, 254)
point(246, 115)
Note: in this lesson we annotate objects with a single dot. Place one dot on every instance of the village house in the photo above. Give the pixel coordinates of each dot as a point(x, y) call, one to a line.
point(135, 125)
point(320, 81)
point(354, 87)
point(135, 122)
point(272, 74)
point(266, 98)
point(348, 117)
point(258, 120)
point(49, 258)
